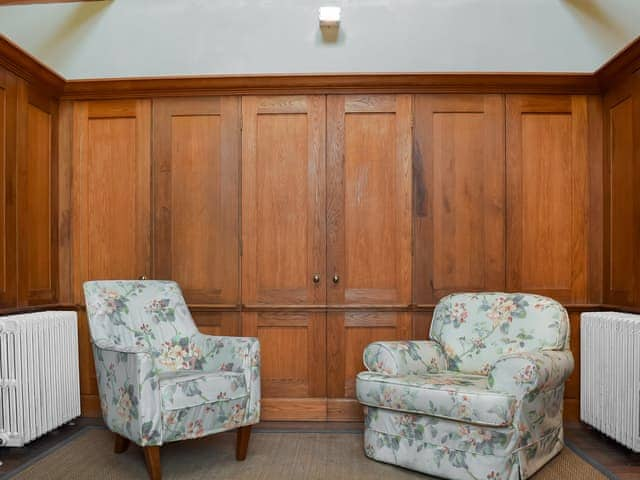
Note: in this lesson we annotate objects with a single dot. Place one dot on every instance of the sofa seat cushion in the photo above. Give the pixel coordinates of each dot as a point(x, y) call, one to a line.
point(189, 388)
point(450, 395)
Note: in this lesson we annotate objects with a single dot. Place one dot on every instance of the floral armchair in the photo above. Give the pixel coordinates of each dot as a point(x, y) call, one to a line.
point(481, 400)
point(160, 379)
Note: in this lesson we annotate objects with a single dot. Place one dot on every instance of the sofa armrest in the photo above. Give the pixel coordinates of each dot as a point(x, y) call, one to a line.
point(404, 357)
point(523, 373)
point(129, 392)
point(235, 354)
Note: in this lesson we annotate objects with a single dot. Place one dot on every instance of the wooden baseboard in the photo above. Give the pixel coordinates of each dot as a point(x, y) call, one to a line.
point(344, 410)
point(282, 409)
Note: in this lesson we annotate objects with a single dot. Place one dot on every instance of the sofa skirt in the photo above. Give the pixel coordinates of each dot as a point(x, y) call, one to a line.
point(454, 450)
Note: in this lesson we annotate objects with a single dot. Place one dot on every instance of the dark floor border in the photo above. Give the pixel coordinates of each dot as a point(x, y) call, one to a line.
point(49, 451)
point(594, 463)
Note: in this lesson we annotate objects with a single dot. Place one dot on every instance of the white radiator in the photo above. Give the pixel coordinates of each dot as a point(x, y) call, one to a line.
point(39, 380)
point(610, 375)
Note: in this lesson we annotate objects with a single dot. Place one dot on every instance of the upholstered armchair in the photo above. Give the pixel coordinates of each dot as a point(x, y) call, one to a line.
point(481, 400)
point(160, 379)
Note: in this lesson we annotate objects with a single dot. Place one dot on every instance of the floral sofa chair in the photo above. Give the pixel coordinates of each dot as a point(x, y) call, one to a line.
point(481, 400)
point(160, 379)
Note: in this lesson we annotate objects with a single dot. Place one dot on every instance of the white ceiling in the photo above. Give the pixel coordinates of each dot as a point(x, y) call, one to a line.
point(131, 38)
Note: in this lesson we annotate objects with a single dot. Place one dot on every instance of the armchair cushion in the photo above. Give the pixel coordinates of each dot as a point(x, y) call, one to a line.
point(404, 357)
point(190, 388)
point(450, 395)
point(526, 373)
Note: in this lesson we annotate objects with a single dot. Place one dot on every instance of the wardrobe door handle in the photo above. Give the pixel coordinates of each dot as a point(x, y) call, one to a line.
point(336, 278)
point(316, 278)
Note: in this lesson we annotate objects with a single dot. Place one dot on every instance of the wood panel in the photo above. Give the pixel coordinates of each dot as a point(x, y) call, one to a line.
point(218, 323)
point(547, 196)
point(459, 205)
point(37, 197)
point(111, 197)
point(283, 200)
point(369, 200)
point(348, 333)
point(292, 362)
point(196, 165)
point(621, 179)
point(8, 112)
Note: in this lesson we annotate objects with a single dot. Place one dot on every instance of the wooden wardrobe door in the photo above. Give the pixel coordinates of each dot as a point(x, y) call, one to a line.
point(196, 164)
point(369, 199)
point(111, 191)
point(283, 200)
point(8, 256)
point(621, 184)
point(292, 361)
point(37, 197)
point(348, 334)
point(459, 166)
point(547, 195)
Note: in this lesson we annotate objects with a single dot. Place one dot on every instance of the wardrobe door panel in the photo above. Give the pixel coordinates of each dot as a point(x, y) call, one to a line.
point(369, 199)
point(547, 196)
point(292, 363)
point(111, 191)
point(196, 164)
point(283, 200)
point(348, 334)
point(37, 197)
point(8, 256)
point(459, 174)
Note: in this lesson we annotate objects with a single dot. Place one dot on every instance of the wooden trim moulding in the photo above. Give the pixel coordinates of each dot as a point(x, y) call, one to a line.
point(623, 63)
point(565, 83)
point(19, 62)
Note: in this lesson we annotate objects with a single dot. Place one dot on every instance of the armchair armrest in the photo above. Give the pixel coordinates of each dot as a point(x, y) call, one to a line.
point(404, 357)
point(235, 354)
point(523, 373)
point(129, 392)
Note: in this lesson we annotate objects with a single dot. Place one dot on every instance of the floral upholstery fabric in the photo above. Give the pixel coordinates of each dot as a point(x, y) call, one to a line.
point(455, 396)
point(404, 358)
point(159, 378)
point(475, 329)
point(482, 400)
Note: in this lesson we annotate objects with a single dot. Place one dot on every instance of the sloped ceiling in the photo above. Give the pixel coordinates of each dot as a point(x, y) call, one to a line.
point(134, 38)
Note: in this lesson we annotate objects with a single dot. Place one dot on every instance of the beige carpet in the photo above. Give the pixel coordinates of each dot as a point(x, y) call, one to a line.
point(272, 456)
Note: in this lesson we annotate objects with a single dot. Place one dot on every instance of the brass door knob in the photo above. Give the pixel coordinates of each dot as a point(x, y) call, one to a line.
point(316, 278)
point(336, 278)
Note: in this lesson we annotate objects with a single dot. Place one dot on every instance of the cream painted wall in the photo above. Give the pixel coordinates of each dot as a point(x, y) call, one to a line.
point(123, 38)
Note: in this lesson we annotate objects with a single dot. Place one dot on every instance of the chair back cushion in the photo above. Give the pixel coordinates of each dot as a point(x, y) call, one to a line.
point(147, 314)
point(475, 329)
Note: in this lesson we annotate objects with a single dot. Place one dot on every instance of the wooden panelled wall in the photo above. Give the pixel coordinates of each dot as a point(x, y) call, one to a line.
point(321, 223)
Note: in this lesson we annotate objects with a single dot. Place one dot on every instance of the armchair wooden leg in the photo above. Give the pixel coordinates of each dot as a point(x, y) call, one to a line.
point(242, 443)
point(152, 459)
point(122, 444)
